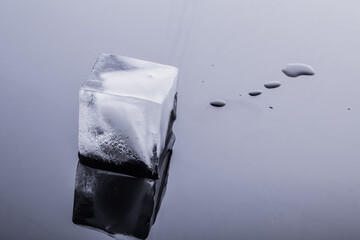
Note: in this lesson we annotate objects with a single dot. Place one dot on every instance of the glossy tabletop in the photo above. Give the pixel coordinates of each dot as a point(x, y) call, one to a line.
point(280, 165)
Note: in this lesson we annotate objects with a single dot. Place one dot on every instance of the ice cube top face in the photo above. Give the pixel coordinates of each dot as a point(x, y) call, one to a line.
point(125, 109)
point(131, 77)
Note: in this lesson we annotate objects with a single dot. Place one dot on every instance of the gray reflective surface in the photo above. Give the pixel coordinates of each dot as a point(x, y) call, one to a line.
point(243, 171)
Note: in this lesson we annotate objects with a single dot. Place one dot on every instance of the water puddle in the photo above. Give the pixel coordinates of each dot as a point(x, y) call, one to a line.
point(298, 69)
point(274, 84)
point(218, 103)
point(255, 93)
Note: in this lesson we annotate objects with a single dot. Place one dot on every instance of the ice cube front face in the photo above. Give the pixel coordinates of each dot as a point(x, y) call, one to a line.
point(126, 111)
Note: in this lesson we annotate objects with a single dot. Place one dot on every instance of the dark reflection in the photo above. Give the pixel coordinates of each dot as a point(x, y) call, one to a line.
point(118, 204)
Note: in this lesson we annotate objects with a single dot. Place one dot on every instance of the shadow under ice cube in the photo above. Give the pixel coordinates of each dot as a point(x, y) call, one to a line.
point(127, 108)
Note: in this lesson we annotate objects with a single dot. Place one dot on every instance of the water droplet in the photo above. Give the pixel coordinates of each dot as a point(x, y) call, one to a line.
point(274, 84)
point(218, 103)
point(255, 93)
point(298, 69)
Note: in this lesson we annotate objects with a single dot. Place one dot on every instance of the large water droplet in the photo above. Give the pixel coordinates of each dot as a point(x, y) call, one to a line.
point(274, 84)
point(298, 69)
point(255, 93)
point(218, 103)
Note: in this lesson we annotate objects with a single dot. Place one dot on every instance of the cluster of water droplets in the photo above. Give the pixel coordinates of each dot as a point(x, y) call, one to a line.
point(291, 70)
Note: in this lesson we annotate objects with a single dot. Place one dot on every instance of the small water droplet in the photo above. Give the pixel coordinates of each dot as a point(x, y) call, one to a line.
point(273, 84)
point(298, 69)
point(255, 93)
point(218, 103)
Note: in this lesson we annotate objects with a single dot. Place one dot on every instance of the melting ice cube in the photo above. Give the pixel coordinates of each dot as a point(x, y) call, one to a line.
point(127, 107)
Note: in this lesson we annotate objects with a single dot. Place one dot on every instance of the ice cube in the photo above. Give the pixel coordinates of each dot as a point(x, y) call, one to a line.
point(127, 107)
point(118, 204)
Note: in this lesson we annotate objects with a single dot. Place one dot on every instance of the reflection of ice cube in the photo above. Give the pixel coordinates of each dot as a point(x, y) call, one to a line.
point(126, 108)
point(118, 204)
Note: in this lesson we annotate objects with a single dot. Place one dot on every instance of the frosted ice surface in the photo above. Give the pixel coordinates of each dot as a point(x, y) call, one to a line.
point(125, 111)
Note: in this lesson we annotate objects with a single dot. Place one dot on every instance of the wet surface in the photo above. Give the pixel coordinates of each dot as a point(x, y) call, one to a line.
point(255, 93)
point(298, 69)
point(243, 172)
point(274, 84)
point(218, 103)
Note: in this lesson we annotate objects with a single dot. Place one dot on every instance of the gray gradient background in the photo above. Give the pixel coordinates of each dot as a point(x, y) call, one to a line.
point(239, 172)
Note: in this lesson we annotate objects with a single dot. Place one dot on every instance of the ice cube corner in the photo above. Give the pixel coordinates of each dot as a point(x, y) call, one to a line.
point(126, 110)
